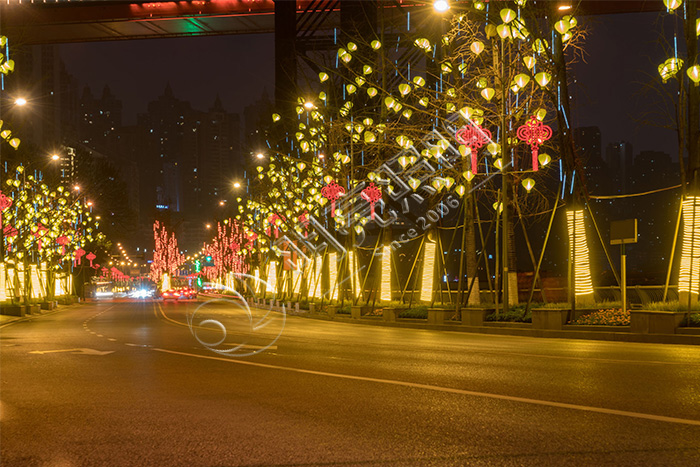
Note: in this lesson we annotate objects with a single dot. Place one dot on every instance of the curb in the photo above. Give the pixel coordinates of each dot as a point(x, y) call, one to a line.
point(609, 336)
point(32, 317)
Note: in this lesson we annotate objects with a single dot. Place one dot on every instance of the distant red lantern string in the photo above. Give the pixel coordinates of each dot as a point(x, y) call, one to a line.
point(5, 202)
point(474, 137)
point(371, 194)
point(332, 192)
point(534, 133)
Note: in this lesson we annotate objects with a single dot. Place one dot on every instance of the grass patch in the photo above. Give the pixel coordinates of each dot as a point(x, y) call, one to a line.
point(609, 317)
point(515, 314)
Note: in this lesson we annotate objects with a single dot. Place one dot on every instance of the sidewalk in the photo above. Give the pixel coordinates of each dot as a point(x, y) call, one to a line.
point(6, 320)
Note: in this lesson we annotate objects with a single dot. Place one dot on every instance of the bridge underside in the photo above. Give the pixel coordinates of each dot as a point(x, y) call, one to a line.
point(90, 20)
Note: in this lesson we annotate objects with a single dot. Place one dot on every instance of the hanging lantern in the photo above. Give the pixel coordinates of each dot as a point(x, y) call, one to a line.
point(323, 76)
point(543, 78)
point(670, 68)
point(419, 81)
point(521, 80)
point(371, 92)
point(534, 133)
point(562, 26)
point(477, 47)
point(529, 61)
point(404, 88)
point(508, 15)
point(672, 5)
point(376, 45)
point(371, 194)
point(503, 31)
point(474, 137)
point(544, 159)
point(498, 163)
point(488, 93)
point(694, 74)
point(528, 183)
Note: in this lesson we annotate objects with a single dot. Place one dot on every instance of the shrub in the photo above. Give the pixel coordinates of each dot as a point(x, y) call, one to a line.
point(609, 317)
point(343, 310)
point(672, 306)
point(417, 312)
point(515, 313)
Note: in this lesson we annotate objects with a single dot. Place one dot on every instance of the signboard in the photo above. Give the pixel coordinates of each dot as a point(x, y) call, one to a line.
point(623, 232)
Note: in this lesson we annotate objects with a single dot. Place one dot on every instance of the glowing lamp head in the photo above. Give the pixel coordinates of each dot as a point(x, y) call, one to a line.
point(20, 101)
point(76, 187)
point(308, 105)
point(236, 185)
point(260, 155)
point(441, 6)
point(694, 74)
point(55, 157)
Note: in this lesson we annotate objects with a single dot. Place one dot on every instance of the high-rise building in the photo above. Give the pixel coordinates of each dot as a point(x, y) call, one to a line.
point(619, 157)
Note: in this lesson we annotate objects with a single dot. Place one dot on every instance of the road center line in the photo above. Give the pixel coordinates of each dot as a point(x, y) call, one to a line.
point(524, 400)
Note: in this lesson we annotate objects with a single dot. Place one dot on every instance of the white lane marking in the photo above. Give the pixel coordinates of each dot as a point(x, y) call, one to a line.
point(525, 400)
point(131, 345)
point(110, 339)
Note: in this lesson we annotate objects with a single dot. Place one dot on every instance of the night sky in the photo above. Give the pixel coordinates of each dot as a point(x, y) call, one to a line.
point(622, 52)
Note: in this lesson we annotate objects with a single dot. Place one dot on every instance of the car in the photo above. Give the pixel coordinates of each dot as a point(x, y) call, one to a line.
point(170, 294)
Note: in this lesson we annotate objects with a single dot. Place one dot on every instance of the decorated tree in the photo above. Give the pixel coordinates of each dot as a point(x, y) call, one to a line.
point(166, 255)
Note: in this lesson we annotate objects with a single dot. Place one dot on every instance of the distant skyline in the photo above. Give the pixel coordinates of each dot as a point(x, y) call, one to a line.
point(622, 52)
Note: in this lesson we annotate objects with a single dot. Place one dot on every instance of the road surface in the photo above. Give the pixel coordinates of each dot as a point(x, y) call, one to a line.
point(127, 383)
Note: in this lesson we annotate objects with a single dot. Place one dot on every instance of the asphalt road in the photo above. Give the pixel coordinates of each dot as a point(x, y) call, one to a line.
point(127, 383)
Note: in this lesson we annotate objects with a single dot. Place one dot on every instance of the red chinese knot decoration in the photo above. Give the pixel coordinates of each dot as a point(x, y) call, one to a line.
point(371, 194)
point(79, 253)
point(474, 137)
point(90, 257)
point(534, 133)
point(332, 192)
point(5, 202)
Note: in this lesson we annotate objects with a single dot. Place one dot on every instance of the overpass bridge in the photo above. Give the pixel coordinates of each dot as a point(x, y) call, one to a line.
point(62, 21)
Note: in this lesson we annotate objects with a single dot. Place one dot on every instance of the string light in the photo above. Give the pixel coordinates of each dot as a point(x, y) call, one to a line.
point(272, 277)
point(356, 284)
point(426, 291)
point(385, 286)
point(583, 285)
point(333, 270)
point(689, 274)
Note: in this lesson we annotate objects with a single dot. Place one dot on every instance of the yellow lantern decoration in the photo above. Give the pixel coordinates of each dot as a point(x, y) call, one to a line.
point(521, 80)
point(672, 5)
point(670, 68)
point(493, 148)
point(352, 46)
point(389, 102)
point(276, 117)
point(544, 158)
point(371, 92)
point(404, 89)
point(360, 81)
point(477, 47)
point(376, 45)
point(460, 190)
point(540, 46)
point(543, 78)
point(508, 15)
point(419, 81)
point(423, 101)
point(498, 206)
point(351, 88)
point(370, 137)
point(323, 76)
point(414, 183)
point(528, 183)
point(694, 74)
point(366, 69)
point(498, 163)
point(529, 61)
point(503, 31)
point(446, 67)
point(540, 114)
point(14, 142)
point(488, 93)
point(562, 27)
point(423, 43)
point(407, 114)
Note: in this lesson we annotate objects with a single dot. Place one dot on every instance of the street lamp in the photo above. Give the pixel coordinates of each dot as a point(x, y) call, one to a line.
point(20, 101)
point(55, 157)
point(441, 6)
point(260, 155)
point(236, 184)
